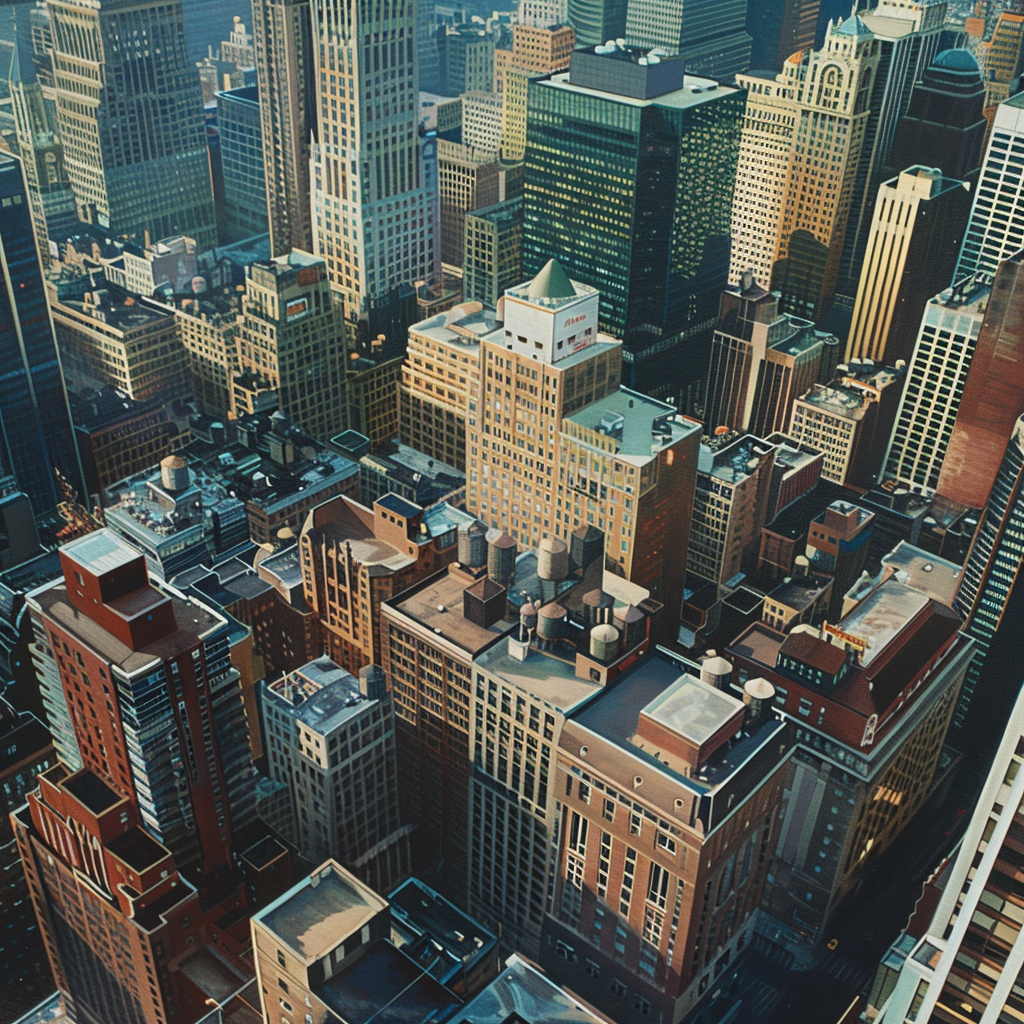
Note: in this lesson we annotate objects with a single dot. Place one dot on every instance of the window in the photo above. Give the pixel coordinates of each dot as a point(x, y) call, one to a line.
point(619, 988)
point(641, 1005)
point(594, 970)
point(609, 810)
point(665, 842)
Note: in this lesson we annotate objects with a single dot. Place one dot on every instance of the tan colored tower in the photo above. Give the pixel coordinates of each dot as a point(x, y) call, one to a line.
point(548, 363)
point(283, 41)
point(292, 338)
point(799, 152)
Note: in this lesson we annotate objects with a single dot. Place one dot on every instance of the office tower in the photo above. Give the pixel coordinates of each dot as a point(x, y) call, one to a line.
point(645, 221)
point(333, 747)
point(850, 420)
point(547, 363)
point(761, 360)
point(467, 54)
point(428, 48)
point(354, 558)
point(996, 228)
point(916, 231)
point(19, 536)
point(244, 213)
point(944, 125)
point(150, 174)
point(837, 546)
point(852, 707)
point(208, 327)
point(992, 396)
point(1003, 57)
point(492, 251)
point(986, 596)
point(597, 21)
point(778, 29)
point(112, 908)
point(36, 435)
point(730, 506)
point(172, 740)
point(711, 37)
point(962, 965)
point(110, 335)
point(31, 89)
point(908, 34)
point(482, 117)
point(541, 13)
point(283, 42)
point(627, 464)
point(375, 220)
point(936, 376)
point(468, 179)
point(799, 154)
point(292, 334)
point(27, 750)
point(656, 886)
point(441, 380)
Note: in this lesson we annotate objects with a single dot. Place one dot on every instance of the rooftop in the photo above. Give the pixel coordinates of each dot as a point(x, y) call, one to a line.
point(321, 695)
point(935, 577)
point(692, 709)
point(101, 551)
point(881, 616)
point(551, 288)
point(800, 592)
point(137, 849)
point(640, 426)
point(462, 326)
point(418, 909)
point(91, 791)
point(694, 92)
point(735, 460)
point(313, 917)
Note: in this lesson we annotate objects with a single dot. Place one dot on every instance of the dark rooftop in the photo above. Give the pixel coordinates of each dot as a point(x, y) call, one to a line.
point(385, 977)
point(91, 791)
point(813, 651)
point(265, 852)
point(401, 507)
point(423, 911)
point(793, 521)
point(137, 849)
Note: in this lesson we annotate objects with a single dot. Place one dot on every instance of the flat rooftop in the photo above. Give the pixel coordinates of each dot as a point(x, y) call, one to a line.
point(882, 615)
point(694, 92)
point(551, 679)
point(101, 551)
point(692, 709)
point(800, 592)
point(321, 695)
point(936, 577)
point(462, 326)
point(732, 463)
point(639, 416)
point(385, 977)
point(437, 604)
point(316, 915)
point(843, 402)
point(423, 911)
point(91, 791)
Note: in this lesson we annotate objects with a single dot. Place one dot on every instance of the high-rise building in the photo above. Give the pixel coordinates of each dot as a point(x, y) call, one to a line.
point(778, 29)
point(936, 376)
point(711, 36)
point(239, 126)
point(908, 34)
point(1003, 53)
point(492, 251)
point(597, 21)
point(911, 253)
point(996, 228)
point(136, 153)
point(547, 362)
point(800, 151)
point(541, 13)
point(467, 54)
point(864, 727)
point(36, 435)
point(657, 885)
point(333, 746)
point(467, 179)
point(993, 395)
point(988, 598)
point(963, 965)
point(645, 221)
point(441, 379)
point(837, 546)
point(283, 42)
point(353, 558)
point(761, 361)
point(375, 217)
point(292, 335)
point(944, 125)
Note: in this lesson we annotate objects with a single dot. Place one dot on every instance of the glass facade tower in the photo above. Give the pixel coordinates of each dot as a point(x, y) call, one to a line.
point(35, 423)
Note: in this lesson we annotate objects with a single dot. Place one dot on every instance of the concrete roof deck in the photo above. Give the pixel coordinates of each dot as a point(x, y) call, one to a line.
point(314, 916)
point(695, 91)
point(322, 695)
point(692, 709)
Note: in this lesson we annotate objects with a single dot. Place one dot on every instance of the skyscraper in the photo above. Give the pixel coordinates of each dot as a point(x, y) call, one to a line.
point(374, 219)
point(292, 336)
point(993, 396)
point(283, 40)
point(799, 153)
point(136, 152)
point(996, 228)
point(36, 435)
point(710, 34)
point(641, 213)
point(778, 29)
point(597, 21)
point(244, 213)
point(918, 224)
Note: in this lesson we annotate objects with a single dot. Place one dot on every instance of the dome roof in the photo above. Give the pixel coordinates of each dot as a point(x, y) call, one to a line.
point(957, 60)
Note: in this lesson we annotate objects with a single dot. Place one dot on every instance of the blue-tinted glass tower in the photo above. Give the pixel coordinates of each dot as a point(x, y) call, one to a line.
point(35, 423)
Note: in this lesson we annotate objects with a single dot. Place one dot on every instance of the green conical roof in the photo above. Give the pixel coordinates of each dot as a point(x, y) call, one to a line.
point(551, 283)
